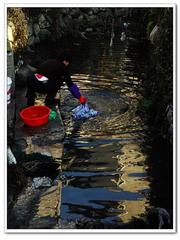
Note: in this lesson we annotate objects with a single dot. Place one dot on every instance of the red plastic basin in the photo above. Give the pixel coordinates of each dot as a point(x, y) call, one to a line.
point(35, 115)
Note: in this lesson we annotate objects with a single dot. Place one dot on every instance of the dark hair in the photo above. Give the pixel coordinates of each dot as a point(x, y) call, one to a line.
point(65, 56)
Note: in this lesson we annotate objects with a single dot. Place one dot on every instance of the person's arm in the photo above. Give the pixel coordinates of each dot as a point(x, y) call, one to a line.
point(73, 88)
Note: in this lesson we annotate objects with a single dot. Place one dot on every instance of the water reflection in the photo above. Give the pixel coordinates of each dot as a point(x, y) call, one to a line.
point(103, 161)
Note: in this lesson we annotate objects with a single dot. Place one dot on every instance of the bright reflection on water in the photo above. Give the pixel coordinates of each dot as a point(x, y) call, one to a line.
point(103, 163)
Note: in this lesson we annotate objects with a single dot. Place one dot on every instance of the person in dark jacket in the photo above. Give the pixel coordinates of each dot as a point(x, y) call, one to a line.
point(49, 78)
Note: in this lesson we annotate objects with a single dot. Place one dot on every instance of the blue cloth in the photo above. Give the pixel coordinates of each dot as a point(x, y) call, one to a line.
point(83, 112)
point(75, 91)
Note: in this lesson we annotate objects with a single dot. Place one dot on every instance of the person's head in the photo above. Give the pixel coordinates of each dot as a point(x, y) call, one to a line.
point(65, 57)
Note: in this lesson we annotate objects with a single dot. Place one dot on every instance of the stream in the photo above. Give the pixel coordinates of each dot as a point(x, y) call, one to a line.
point(104, 167)
point(112, 171)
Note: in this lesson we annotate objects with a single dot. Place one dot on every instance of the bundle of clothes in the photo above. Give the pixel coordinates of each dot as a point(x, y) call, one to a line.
point(83, 112)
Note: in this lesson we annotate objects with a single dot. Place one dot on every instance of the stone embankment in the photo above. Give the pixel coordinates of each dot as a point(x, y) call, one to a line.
point(53, 24)
point(38, 151)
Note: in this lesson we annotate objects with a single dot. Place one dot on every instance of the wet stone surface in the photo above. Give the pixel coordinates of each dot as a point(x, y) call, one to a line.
point(36, 208)
point(38, 151)
point(45, 139)
point(41, 147)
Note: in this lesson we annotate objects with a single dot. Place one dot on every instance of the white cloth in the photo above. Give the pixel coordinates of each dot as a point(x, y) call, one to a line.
point(40, 77)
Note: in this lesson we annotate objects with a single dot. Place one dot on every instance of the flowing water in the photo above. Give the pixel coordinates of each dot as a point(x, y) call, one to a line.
point(103, 165)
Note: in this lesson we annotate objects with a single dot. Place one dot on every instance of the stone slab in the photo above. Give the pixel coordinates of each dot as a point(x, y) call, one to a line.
point(45, 140)
point(36, 208)
point(47, 213)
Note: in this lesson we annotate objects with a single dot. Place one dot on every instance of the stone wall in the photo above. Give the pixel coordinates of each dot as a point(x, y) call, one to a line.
point(159, 81)
point(37, 26)
point(51, 24)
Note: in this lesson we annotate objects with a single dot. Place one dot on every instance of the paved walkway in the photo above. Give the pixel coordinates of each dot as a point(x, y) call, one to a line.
point(39, 151)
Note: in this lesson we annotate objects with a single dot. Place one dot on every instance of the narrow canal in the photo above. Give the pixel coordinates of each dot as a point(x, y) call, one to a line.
point(104, 169)
point(113, 171)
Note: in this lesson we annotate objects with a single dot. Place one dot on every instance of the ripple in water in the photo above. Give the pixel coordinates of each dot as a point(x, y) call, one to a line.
point(103, 164)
